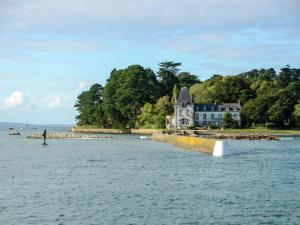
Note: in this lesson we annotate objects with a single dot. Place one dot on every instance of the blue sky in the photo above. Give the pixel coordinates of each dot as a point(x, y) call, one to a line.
point(51, 50)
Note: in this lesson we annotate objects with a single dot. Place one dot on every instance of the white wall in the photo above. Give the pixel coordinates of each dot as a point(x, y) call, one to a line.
point(186, 113)
point(199, 117)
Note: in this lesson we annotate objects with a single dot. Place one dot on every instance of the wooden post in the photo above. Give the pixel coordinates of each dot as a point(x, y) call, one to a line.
point(45, 136)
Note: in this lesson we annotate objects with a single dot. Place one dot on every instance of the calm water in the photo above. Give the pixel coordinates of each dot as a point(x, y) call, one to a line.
point(133, 181)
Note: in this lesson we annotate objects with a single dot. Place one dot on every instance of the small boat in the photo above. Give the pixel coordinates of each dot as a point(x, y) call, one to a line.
point(286, 138)
point(145, 137)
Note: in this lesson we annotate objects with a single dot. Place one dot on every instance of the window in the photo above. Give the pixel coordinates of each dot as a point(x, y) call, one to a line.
point(180, 112)
point(234, 116)
point(197, 123)
point(197, 116)
point(219, 116)
point(204, 123)
point(204, 108)
point(184, 122)
point(204, 116)
point(183, 104)
point(212, 116)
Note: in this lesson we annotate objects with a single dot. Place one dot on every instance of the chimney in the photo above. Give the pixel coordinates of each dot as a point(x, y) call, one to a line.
point(215, 102)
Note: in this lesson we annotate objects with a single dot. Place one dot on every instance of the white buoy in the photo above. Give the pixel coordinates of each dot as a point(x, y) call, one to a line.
point(221, 148)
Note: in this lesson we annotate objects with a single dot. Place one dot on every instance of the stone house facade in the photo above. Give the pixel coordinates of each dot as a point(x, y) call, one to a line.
point(187, 114)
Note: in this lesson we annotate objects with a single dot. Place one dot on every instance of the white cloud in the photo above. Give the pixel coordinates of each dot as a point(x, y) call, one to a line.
point(55, 103)
point(16, 99)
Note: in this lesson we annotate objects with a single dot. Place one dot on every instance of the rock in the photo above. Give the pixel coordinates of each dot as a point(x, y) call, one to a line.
point(68, 136)
point(15, 133)
point(244, 136)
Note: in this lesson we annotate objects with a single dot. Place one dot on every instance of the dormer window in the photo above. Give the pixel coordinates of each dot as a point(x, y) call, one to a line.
point(183, 104)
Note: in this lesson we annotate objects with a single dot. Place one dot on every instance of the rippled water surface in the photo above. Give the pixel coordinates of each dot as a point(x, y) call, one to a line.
point(127, 180)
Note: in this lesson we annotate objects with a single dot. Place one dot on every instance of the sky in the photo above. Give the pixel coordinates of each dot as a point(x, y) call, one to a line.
point(52, 50)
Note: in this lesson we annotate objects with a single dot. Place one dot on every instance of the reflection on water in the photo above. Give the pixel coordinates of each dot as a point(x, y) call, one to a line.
point(128, 180)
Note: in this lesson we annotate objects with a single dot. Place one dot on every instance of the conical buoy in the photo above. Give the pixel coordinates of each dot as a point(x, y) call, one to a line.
point(221, 148)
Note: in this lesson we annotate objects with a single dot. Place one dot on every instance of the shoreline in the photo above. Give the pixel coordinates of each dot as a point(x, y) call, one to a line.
point(246, 131)
point(89, 130)
point(218, 134)
point(67, 136)
point(242, 132)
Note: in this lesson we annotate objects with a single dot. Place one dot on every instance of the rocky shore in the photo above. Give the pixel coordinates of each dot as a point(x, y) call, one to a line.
point(68, 136)
point(237, 136)
point(243, 136)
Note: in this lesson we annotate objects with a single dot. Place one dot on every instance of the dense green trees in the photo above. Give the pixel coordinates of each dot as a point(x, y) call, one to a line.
point(137, 97)
point(222, 89)
point(154, 115)
point(296, 114)
point(187, 79)
point(168, 77)
point(126, 91)
point(90, 106)
point(228, 121)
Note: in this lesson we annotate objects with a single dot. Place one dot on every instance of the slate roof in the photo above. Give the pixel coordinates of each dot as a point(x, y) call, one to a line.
point(217, 107)
point(206, 107)
point(184, 96)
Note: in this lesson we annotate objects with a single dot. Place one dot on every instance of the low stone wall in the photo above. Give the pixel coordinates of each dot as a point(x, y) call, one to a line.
point(193, 143)
point(99, 130)
point(113, 131)
point(145, 131)
point(67, 136)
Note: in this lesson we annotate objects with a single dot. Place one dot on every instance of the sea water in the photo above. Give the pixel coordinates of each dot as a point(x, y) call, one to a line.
point(128, 180)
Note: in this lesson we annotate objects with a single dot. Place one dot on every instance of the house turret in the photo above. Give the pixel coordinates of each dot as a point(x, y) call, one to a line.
point(184, 109)
point(187, 114)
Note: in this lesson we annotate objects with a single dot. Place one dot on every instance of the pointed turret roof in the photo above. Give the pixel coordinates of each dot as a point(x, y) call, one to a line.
point(184, 96)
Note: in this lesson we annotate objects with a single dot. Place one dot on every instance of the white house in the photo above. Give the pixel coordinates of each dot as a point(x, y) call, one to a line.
point(186, 113)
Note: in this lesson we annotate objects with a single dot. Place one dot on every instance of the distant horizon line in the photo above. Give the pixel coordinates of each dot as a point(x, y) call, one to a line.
point(36, 124)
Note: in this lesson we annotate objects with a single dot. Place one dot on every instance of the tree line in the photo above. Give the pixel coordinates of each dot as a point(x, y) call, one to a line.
point(137, 97)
